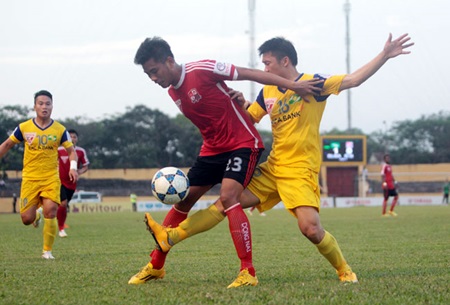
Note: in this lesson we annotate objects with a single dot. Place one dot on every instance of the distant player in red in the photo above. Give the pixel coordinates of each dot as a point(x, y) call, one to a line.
point(68, 186)
point(231, 144)
point(389, 187)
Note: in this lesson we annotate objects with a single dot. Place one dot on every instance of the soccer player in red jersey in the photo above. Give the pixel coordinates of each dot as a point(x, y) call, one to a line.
point(389, 186)
point(231, 144)
point(69, 186)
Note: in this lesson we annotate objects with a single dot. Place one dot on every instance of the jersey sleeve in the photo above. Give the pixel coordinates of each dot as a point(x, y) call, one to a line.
point(332, 84)
point(82, 159)
point(257, 110)
point(16, 136)
point(226, 71)
point(66, 140)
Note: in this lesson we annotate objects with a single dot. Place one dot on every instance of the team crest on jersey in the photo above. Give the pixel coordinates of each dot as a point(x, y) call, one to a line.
point(194, 96)
point(29, 137)
point(222, 68)
point(269, 102)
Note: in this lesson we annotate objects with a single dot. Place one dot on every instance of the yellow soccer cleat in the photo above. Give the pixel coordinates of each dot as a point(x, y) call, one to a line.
point(392, 213)
point(159, 233)
point(244, 278)
point(348, 276)
point(147, 273)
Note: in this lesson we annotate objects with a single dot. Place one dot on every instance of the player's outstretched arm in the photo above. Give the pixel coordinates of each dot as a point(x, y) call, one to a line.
point(392, 48)
point(302, 88)
point(6, 146)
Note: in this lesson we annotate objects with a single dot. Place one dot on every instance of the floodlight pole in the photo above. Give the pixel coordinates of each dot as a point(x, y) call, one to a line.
point(347, 44)
point(251, 32)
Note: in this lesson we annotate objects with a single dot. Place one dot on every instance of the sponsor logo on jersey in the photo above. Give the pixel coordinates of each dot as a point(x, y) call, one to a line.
point(194, 96)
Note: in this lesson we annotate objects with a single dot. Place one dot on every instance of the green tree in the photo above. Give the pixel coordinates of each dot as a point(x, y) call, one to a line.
point(425, 140)
point(10, 118)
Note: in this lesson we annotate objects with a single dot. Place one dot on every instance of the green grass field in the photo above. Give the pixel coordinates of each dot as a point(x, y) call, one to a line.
point(403, 260)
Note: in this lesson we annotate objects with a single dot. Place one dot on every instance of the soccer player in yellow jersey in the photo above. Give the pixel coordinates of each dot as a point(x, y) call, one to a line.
point(40, 177)
point(290, 173)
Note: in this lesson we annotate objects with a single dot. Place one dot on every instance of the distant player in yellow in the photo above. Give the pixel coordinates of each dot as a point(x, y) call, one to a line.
point(40, 177)
point(290, 173)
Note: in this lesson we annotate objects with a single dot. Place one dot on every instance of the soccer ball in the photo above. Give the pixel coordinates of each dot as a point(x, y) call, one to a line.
point(170, 185)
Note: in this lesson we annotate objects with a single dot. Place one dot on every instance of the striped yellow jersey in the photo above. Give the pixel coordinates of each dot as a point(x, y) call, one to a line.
point(295, 123)
point(40, 159)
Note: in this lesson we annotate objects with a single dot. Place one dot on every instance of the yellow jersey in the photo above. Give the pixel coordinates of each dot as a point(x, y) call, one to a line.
point(40, 159)
point(295, 123)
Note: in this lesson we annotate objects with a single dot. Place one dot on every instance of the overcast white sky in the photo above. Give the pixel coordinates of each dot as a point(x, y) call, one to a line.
point(82, 51)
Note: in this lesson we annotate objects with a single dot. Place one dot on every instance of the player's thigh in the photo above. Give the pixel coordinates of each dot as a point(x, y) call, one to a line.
point(29, 196)
point(263, 187)
point(299, 187)
point(51, 189)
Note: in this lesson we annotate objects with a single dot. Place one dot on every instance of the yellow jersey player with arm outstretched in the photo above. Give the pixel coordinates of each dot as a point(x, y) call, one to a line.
point(40, 177)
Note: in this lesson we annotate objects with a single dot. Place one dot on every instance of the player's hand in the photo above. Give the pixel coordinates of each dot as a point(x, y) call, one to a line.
point(384, 185)
point(393, 48)
point(238, 97)
point(73, 175)
point(308, 87)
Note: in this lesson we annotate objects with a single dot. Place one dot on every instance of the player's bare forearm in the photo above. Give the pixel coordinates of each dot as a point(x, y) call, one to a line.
point(73, 174)
point(392, 48)
point(302, 88)
point(5, 147)
point(82, 170)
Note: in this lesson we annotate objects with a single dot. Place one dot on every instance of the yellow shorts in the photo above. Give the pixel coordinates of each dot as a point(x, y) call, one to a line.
point(32, 191)
point(294, 186)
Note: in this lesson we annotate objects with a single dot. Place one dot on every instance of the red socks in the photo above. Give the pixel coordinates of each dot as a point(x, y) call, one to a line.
point(61, 214)
point(241, 235)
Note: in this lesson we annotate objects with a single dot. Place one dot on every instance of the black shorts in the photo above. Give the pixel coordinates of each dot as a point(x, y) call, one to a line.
point(66, 193)
point(238, 165)
point(390, 193)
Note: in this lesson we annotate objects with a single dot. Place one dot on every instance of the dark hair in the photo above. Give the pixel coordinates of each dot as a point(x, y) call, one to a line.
point(154, 48)
point(279, 47)
point(43, 92)
point(72, 131)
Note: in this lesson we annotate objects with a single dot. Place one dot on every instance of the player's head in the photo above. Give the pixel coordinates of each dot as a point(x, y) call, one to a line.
point(74, 136)
point(387, 158)
point(42, 93)
point(43, 104)
point(157, 60)
point(281, 51)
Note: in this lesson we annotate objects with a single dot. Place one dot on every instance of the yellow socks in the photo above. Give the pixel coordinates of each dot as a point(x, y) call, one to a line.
point(329, 248)
point(49, 231)
point(199, 222)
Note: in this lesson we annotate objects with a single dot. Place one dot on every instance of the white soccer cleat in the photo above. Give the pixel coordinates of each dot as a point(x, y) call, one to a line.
point(62, 233)
point(47, 255)
point(39, 217)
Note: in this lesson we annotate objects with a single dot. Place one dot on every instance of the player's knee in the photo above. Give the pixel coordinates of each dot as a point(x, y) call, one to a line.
point(312, 232)
point(26, 219)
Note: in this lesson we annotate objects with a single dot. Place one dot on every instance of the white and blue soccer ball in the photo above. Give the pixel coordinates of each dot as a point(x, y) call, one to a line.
point(170, 185)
